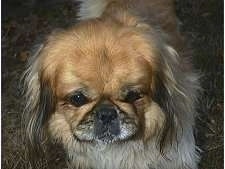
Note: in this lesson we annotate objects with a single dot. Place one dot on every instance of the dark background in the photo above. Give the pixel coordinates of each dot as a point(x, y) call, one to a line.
point(25, 23)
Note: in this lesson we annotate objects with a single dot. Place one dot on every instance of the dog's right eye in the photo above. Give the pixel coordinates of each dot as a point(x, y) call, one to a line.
point(78, 99)
point(132, 96)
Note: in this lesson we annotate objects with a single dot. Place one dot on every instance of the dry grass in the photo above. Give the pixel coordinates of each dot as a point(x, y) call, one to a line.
point(22, 26)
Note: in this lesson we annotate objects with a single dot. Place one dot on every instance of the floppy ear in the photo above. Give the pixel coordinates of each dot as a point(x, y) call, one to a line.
point(39, 104)
point(175, 90)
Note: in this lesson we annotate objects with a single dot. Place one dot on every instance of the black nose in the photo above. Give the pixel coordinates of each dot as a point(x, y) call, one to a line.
point(106, 114)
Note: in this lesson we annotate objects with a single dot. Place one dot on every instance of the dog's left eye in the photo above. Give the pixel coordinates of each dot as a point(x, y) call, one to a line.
point(78, 99)
point(132, 96)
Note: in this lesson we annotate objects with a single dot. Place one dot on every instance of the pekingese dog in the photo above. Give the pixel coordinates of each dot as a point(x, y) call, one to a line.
point(117, 90)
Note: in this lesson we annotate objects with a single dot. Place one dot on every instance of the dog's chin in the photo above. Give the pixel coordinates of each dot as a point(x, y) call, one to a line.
point(105, 138)
point(108, 136)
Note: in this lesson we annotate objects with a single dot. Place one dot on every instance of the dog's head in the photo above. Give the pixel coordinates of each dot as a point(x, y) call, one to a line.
point(106, 82)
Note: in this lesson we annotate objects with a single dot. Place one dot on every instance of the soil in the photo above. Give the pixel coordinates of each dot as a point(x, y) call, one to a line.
point(26, 23)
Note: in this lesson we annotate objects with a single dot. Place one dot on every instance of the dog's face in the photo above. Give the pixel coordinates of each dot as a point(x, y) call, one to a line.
point(103, 92)
point(102, 82)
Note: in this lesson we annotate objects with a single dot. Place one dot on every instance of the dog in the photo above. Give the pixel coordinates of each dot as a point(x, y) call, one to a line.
point(117, 89)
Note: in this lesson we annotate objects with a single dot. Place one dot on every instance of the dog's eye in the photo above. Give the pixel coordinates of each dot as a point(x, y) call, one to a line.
point(132, 96)
point(78, 99)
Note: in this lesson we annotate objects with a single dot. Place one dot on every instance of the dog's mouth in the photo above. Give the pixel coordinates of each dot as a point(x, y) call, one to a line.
point(107, 130)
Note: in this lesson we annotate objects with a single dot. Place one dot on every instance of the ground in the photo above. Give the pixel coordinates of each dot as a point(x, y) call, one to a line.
point(25, 23)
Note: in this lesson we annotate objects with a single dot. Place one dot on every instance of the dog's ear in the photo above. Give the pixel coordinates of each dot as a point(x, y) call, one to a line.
point(174, 89)
point(39, 104)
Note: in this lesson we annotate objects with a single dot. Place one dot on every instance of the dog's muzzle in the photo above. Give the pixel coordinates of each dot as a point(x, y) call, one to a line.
point(107, 125)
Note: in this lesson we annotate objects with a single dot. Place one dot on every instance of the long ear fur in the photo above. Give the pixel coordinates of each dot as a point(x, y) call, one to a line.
point(176, 88)
point(39, 103)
